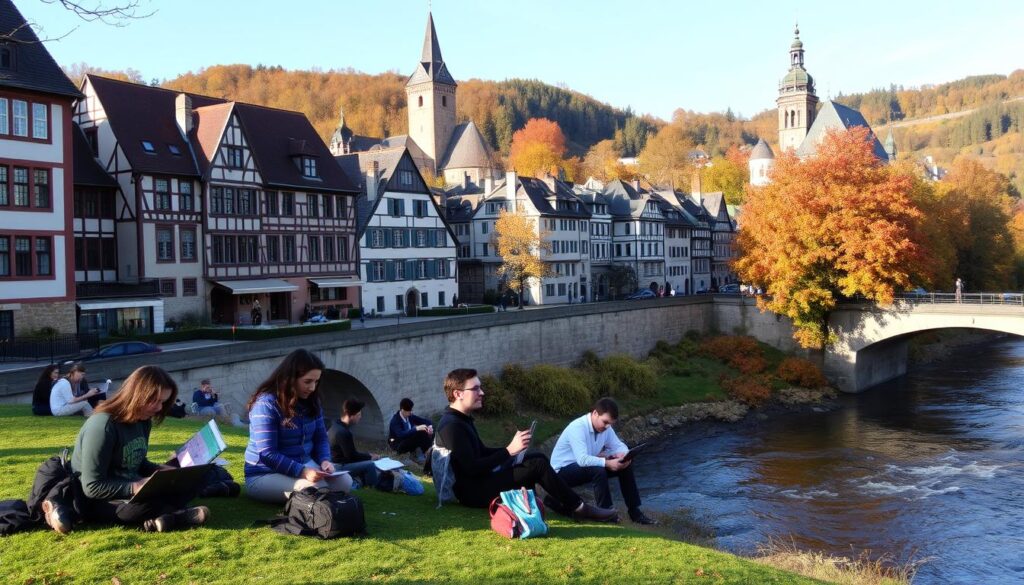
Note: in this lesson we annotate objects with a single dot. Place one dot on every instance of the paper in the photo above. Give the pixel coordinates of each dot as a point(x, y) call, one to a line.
point(203, 447)
point(103, 387)
point(388, 464)
point(335, 473)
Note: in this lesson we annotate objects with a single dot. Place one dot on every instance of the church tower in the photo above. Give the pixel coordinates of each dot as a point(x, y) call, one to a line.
point(431, 95)
point(797, 101)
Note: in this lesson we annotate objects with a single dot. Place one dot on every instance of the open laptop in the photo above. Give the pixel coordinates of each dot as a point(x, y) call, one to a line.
point(172, 482)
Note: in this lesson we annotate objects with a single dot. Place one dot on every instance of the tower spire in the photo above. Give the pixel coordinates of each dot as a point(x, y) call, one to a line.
point(431, 49)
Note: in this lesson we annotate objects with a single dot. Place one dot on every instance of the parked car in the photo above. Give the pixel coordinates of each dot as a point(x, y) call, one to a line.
point(917, 293)
point(730, 289)
point(641, 294)
point(121, 349)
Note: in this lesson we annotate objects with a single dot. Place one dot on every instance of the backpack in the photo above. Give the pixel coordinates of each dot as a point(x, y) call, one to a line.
point(14, 517)
point(444, 476)
point(518, 514)
point(218, 483)
point(55, 480)
point(321, 513)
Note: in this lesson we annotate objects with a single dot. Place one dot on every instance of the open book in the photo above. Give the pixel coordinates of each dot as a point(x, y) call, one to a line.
point(388, 464)
point(203, 447)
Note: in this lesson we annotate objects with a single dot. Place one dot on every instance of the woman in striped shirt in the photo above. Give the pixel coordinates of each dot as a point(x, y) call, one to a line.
point(288, 448)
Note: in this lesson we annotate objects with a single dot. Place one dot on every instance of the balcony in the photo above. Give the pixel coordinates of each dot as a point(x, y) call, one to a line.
point(115, 290)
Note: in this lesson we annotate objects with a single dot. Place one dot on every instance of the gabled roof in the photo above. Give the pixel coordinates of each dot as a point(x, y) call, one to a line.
point(545, 197)
point(431, 66)
point(836, 116)
point(467, 149)
point(761, 151)
point(34, 68)
point(210, 122)
point(625, 200)
point(673, 211)
point(142, 112)
point(88, 171)
point(278, 138)
point(715, 203)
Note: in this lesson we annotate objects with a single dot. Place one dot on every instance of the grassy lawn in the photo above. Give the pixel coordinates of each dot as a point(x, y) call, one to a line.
point(409, 540)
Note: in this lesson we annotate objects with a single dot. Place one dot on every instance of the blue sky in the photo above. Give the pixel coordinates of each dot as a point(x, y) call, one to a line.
point(652, 55)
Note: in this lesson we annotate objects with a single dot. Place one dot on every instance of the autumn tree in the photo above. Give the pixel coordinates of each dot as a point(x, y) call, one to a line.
point(602, 162)
point(723, 174)
point(665, 160)
point(836, 225)
point(520, 247)
point(621, 277)
point(537, 148)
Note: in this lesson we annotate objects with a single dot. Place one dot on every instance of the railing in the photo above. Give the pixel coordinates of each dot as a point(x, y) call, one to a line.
point(51, 348)
point(111, 290)
point(1007, 298)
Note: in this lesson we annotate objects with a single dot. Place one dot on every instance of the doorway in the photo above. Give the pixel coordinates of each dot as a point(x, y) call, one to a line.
point(412, 299)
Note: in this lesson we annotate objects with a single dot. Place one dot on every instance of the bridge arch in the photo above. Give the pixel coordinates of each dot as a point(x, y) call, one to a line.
point(336, 387)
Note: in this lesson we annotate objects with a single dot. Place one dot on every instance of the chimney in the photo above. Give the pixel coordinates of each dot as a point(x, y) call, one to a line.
point(465, 181)
point(488, 184)
point(510, 184)
point(695, 188)
point(372, 179)
point(183, 113)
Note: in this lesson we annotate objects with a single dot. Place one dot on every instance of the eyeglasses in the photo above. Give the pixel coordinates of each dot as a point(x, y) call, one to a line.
point(476, 388)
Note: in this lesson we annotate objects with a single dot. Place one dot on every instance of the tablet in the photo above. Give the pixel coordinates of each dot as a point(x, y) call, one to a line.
point(172, 482)
point(632, 452)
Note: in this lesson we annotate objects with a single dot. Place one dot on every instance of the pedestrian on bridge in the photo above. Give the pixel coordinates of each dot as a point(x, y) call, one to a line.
point(959, 290)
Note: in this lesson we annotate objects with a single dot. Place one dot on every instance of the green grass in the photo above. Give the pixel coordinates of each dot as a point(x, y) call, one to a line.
point(409, 540)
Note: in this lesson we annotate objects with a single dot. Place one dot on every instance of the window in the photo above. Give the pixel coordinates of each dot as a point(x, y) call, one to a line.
point(5, 182)
point(228, 200)
point(185, 201)
point(273, 249)
point(272, 207)
point(380, 300)
point(399, 270)
point(173, 149)
point(233, 155)
point(5, 127)
point(20, 116)
point(424, 300)
point(329, 249)
point(444, 101)
point(561, 289)
point(420, 208)
point(148, 147)
point(483, 249)
point(342, 207)
point(246, 202)
point(440, 299)
point(288, 204)
point(289, 248)
point(40, 124)
point(405, 178)
point(419, 101)
point(328, 206)
point(248, 249)
point(168, 287)
point(483, 228)
point(343, 249)
point(41, 187)
point(188, 244)
point(309, 167)
point(421, 238)
point(395, 207)
point(376, 238)
point(22, 256)
point(398, 238)
point(312, 205)
point(20, 186)
point(189, 287)
point(165, 244)
point(90, 138)
point(549, 290)
point(314, 248)
point(216, 200)
point(442, 269)
point(377, 271)
point(43, 264)
point(399, 303)
point(5, 256)
point(162, 194)
point(421, 269)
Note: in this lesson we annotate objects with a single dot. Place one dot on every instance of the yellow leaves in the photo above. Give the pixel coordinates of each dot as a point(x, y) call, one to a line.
point(520, 246)
point(537, 148)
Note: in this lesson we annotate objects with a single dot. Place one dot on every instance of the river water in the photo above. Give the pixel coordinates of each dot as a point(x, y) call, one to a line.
point(930, 466)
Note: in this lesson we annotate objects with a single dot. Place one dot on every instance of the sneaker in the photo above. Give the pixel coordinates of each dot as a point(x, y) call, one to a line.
point(162, 523)
point(195, 516)
point(56, 517)
point(639, 517)
point(588, 512)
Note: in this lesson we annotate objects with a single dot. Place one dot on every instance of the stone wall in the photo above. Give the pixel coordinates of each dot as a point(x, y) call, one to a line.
point(59, 315)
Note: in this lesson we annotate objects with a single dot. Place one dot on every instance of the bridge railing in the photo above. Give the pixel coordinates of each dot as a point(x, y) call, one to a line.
point(982, 298)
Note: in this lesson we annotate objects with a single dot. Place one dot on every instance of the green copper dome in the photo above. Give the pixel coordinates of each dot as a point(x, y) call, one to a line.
point(797, 79)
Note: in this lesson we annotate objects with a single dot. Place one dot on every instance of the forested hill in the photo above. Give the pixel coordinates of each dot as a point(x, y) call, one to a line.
point(375, 105)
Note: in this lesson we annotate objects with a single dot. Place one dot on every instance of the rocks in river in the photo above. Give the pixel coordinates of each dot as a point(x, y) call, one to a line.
point(653, 421)
point(642, 428)
point(797, 396)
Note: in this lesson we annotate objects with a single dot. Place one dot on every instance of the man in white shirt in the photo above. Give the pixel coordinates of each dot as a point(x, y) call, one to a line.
point(589, 451)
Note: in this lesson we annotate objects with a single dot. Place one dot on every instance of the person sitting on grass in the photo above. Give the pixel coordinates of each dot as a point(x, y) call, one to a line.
point(589, 451)
point(343, 446)
point(41, 394)
point(408, 433)
point(482, 472)
point(206, 401)
point(63, 401)
point(288, 448)
point(111, 459)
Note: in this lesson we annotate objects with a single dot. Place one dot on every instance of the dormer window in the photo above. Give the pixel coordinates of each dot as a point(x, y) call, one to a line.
point(174, 150)
point(309, 167)
point(148, 147)
point(6, 56)
point(234, 157)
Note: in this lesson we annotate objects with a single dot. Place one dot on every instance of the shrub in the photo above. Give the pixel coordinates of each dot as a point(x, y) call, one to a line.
point(498, 401)
point(748, 364)
point(446, 311)
point(739, 351)
point(752, 390)
point(554, 390)
point(622, 376)
point(354, 313)
point(692, 335)
point(801, 372)
point(589, 360)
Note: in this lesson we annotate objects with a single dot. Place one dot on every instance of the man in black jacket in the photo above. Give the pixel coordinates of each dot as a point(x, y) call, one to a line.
point(482, 472)
point(343, 446)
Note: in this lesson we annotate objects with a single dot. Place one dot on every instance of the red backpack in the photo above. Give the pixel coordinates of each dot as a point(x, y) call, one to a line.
point(518, 514)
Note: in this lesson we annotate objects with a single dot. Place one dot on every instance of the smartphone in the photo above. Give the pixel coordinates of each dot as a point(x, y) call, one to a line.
point(533, 427)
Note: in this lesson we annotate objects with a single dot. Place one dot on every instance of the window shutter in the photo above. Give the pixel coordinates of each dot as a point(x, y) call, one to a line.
point(431, 270)
point(390, 270)
point(401, 207)
point(410, 269)
point(386, 238)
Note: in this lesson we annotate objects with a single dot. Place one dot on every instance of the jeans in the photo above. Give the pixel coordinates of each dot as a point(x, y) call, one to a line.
point(477, 492)
point(419, 440)
point(215, 410)
point(574, 475)
point(123, 512)
point(365, 471)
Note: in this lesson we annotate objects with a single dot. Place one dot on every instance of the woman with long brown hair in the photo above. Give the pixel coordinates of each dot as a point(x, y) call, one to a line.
point(111, 457)
point(41, 394)
point(63, 401)
point(288, 448)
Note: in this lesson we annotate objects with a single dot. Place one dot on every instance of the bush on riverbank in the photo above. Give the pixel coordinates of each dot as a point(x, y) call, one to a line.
point(551, 389)
point(619, 376)
point(801, 372)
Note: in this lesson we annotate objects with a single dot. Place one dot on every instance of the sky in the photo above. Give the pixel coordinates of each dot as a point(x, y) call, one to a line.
point(653, 56)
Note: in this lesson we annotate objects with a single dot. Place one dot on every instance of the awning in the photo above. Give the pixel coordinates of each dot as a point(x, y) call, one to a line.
point(120, 303)
point(265, 285)
point(335, 281)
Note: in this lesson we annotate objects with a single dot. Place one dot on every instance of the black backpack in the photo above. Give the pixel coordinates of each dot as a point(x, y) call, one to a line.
point(14, 517)
point(321, 513)
point(55, 480)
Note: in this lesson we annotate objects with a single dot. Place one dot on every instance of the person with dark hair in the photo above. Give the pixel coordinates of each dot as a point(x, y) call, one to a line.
point(589, 451)
point(41, 394)
point(288, 448)
point(343, 446)
point(408, 433)
point(482, 472)
point(207, 401)
point(111, 459)
point(63, 401)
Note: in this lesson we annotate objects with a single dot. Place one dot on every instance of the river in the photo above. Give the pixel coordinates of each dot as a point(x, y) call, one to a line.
point(927, 467)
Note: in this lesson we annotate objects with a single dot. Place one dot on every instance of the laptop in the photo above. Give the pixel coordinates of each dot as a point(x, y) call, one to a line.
point(171, 482)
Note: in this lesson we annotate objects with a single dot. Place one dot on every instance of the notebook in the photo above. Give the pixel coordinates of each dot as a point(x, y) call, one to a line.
point(203, 447)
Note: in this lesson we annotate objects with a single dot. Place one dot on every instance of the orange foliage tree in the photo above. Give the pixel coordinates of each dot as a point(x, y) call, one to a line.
point(537, 147)
point(835, 225)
